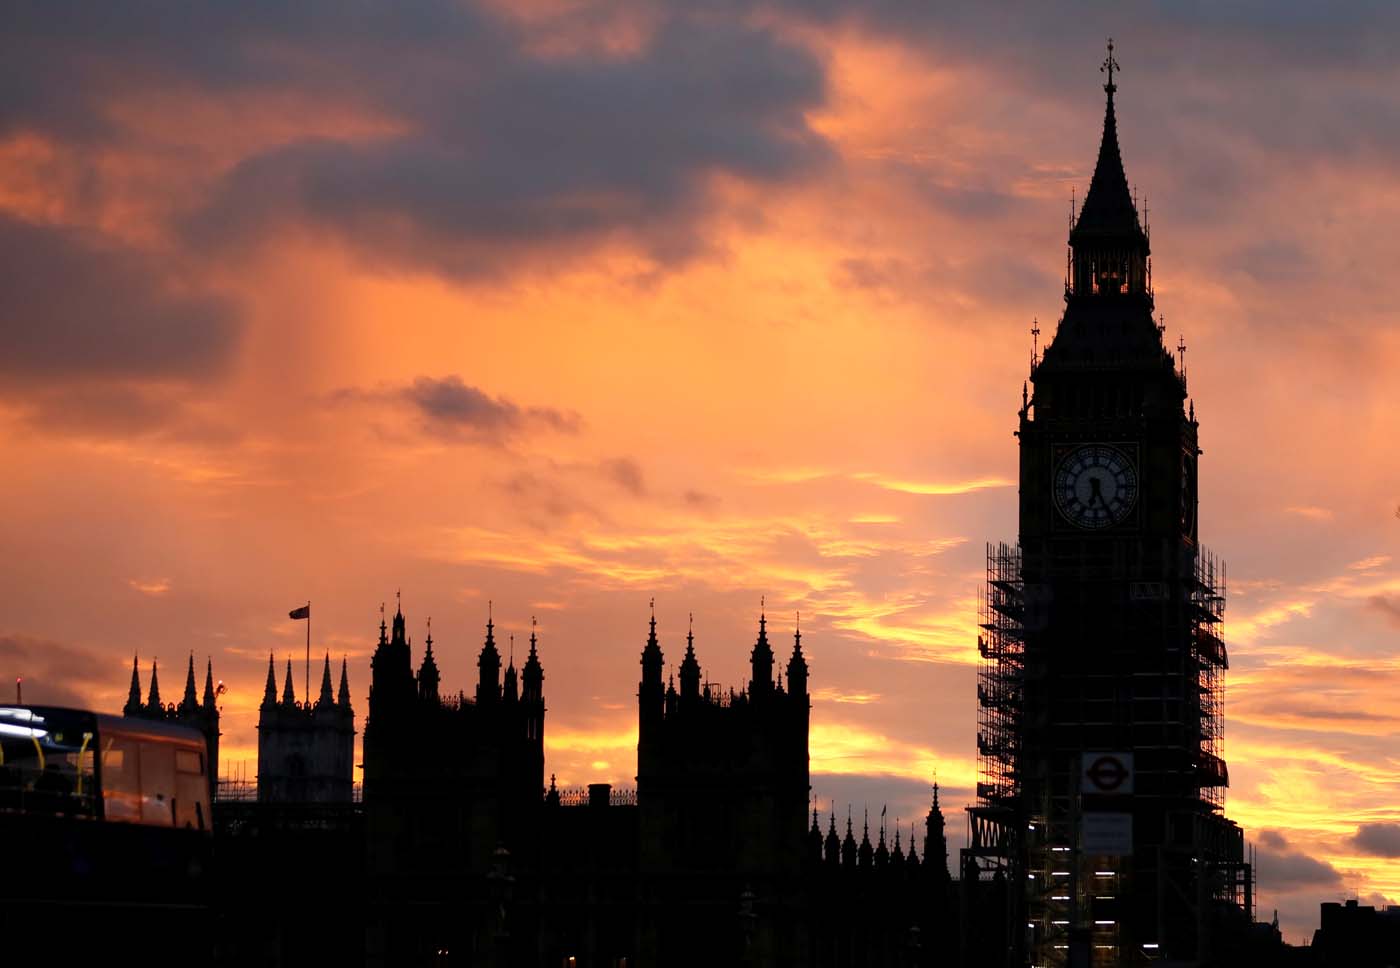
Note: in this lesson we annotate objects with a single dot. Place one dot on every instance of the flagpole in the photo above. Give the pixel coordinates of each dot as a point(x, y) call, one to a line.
point(308, 651)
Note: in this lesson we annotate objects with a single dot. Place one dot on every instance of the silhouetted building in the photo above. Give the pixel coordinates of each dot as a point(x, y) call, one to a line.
point(197, 712)
point(722, 793)
point(1102, 784)
point(1356, 935)
point(449, 782)
point(471, 859)
point(306, 750)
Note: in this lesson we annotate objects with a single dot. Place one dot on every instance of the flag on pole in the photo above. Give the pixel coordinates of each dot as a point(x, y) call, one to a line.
point(303, 612)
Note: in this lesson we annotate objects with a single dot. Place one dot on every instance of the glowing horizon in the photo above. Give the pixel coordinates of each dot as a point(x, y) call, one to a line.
point(570, 305)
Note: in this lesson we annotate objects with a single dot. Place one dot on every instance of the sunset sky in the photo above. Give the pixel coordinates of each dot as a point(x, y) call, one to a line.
point(567, 304)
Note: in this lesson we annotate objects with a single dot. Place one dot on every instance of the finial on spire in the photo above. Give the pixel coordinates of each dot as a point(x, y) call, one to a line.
point(690, 631)
point(1110, 65)
point(1181, 353)
point(398, 601)
point(512, 648)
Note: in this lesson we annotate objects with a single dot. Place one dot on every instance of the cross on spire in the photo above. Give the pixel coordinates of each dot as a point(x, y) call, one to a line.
point(1109, 66)
point(1181, 352)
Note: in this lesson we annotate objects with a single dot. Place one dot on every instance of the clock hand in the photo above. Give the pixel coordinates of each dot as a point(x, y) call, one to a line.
point(1095, 491)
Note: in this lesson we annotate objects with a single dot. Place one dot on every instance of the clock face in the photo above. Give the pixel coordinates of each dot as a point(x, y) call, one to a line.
point(1095, 486)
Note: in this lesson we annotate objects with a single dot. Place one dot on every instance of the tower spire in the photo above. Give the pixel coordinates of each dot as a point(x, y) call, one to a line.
point(270, 691)
point(153, 701)
point(511, 689)
point(133, 697)
point(690, 665)
point(289, 696)
point(1108, 209)
point(531, 674)
point(210, 695)
point(327, 697)
point(488, 687)
point(762, 656)
point(343, 694)
point(190, 699)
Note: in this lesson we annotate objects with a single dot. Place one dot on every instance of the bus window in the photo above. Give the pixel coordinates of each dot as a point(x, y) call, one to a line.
point(191, 790)
point(157, 784)
point(46, 761)
point(121, 778)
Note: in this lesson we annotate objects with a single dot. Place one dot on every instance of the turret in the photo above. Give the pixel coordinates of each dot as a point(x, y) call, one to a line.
point(797, 665)
point(762, 661)
point(153, 702)
point(511, 690)
point(833, 842)
point(690, 666)
point(327, 697)
point(867, 852)
point(133, 697)
point(210, 695)
point(850, 854)
point(532, 673)
point(289, 695)
point(399, 636)
point(190, 701)
point(650, 698)
point(882, 853)
point(935, 838)
point(897, 855)
point(270, 690)
point(488, 686)
point(428, 676)
point(342, 697)
point(673, 699)
point(532, 690)
point(912, 860)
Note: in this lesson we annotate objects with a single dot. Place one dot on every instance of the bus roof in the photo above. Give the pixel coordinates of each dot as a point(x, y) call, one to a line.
point(106, 723)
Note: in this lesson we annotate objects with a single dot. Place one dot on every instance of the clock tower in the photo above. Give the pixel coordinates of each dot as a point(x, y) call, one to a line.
point(1102, 783)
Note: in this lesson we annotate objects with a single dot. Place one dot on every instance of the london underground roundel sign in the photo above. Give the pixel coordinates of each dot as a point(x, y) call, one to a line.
point(1107, 773)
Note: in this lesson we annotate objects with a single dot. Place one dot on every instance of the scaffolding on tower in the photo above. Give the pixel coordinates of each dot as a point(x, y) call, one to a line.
point(995, 823)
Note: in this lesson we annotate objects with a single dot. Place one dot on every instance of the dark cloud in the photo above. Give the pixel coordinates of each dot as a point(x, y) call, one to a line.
point(453, 407)
point(1378, 839)
point(1388, 609)
point(453, 410)
point(1282, 868)
point(537, 495)
point(500, 138)
point(55, 674)
point(503, 152)
point(700, 500)
point(71, 307)
point(626, 473)
point(1275, 261)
